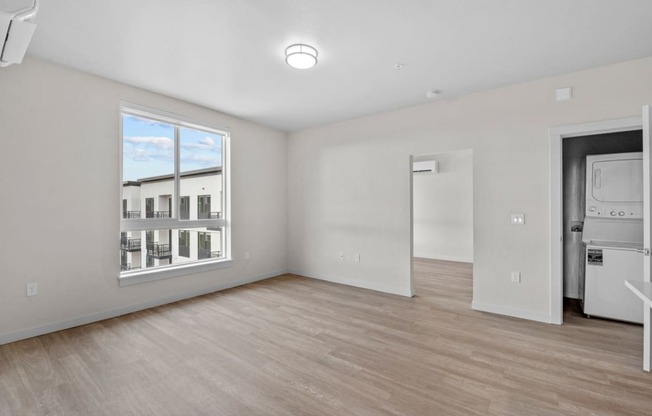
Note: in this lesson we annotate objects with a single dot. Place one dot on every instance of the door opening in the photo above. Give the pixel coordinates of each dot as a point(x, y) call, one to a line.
point(568, 146)
point(442, 215)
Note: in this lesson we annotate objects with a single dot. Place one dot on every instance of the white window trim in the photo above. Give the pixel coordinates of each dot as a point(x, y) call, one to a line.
point(127, 278)
point(153, 274)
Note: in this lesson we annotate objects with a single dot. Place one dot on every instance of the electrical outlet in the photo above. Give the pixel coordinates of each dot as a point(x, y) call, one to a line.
point(31, 289)
point(356, 257)
point(341, 256)
point(516, 277)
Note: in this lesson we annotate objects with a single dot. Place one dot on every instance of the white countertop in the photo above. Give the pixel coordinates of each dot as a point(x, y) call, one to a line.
point(641, 289)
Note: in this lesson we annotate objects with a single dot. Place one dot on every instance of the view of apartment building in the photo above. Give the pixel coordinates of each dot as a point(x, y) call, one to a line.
point(152, 197)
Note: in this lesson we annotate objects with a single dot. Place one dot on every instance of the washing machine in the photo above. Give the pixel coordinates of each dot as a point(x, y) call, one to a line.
point(614, 253)
point(613, 235)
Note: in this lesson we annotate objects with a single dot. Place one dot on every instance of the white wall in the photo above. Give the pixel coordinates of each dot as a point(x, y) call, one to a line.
point(443, 208)
point(349, 183)
point(59, 132)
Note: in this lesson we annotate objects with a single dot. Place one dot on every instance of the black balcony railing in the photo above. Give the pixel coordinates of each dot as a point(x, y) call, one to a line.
point(159, 251)
point(130, 214)
point(128, 266)
point(157, 214)
point(205, 215)
point(130, 244)
point(203, 253)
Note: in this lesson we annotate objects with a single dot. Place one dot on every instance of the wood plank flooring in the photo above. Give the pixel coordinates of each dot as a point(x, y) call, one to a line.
point(297, 346)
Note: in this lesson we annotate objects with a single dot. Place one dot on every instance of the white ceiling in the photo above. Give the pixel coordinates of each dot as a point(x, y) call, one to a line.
point(228, 54)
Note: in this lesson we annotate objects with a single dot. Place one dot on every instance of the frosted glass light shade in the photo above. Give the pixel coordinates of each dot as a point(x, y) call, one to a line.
point(301, 56)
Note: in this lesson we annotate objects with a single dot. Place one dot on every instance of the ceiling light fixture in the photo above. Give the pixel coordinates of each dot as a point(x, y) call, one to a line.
point(301, 56)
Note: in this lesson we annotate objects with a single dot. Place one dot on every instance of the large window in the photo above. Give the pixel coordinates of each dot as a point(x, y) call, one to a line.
point(166, 164)
point(204, 206)
point(184, 243)
point(184, 210)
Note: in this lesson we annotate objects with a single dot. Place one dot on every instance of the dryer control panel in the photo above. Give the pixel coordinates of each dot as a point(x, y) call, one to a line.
point(614, 211)
point(614, 185)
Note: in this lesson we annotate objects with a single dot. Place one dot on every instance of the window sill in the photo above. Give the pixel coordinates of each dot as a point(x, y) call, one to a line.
point(151, 275)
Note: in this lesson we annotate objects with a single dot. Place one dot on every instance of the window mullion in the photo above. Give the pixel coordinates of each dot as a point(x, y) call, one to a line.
point(177, 164)
point(167, 224)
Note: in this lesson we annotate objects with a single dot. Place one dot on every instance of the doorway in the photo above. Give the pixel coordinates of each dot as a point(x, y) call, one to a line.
point(558, 227)
point(442, 214)
point(574, 155)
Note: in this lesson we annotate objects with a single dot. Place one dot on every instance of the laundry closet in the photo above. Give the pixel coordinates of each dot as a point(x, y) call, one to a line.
point(603, 223)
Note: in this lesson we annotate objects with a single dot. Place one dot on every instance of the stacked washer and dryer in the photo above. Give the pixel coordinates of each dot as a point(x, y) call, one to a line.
point(613, 235)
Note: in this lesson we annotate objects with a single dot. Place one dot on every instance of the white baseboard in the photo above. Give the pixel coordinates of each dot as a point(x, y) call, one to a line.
point(356, 283)
point(71, 323)
point(572, 295)
point(459, 259)
point(516, 313)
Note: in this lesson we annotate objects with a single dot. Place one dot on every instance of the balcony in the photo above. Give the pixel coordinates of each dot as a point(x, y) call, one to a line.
point(159, 251)
point(203, 253)
point(205, 215)
point(130, 244)
point(157, 214)
point(125, 267)
point(130, 214)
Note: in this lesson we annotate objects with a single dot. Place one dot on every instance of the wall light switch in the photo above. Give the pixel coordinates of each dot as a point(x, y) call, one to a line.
point(341, 256)
point(31, 289)
point(518, 219)
point(516, 277)
point(563, 94)
point(356, 257)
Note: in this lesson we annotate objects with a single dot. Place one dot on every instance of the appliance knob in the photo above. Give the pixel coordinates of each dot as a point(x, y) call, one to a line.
point(613, 213)
point(621, 213)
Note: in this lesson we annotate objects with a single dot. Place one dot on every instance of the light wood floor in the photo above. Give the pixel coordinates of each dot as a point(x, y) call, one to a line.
point(296, 346)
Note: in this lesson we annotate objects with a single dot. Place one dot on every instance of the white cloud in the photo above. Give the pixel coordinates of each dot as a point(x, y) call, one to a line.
point(144, 149)
point(203, 144)
point(148, 122)
point(159, 142)
point(207, 141)
point(202, 159)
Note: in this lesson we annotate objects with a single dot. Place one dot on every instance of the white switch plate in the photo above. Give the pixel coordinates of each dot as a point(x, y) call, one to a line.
point(356, 257)
point(516, 277)
point(341, 256)
point(518, 219)
point(247, 256)
point(563, 94)
point(31, 289)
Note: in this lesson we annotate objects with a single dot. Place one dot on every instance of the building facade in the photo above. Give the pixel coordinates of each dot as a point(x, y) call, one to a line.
point(200, 198)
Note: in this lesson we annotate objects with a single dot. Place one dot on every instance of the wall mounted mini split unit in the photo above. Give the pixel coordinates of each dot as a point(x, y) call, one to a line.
point(16, 30)
point(425, 167)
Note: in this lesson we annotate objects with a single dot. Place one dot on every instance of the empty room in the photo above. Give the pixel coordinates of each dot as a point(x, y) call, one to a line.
point(302, 207)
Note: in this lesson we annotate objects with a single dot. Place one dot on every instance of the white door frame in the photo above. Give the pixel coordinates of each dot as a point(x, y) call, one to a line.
point(557, 134)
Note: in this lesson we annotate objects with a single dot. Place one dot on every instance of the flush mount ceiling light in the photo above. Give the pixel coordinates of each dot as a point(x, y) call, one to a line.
point(301, 56)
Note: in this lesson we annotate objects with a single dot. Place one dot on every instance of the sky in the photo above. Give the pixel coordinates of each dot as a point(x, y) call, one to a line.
point(148, 148)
